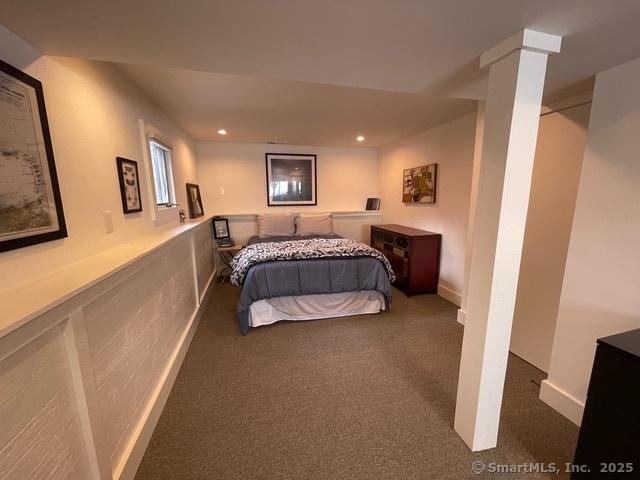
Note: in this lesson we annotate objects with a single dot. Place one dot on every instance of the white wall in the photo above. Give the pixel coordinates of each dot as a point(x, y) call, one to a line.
point(93, 115)
point(556, 173)
point(601, 288)
point(451, 146)
point(346, 177)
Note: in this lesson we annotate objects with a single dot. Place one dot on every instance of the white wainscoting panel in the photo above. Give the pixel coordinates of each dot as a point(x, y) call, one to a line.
point(41, 435)
point(205, 263)
point(82, 385)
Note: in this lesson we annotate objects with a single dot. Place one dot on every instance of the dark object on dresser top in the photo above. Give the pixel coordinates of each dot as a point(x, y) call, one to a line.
point(414, 255)
point(610, 431)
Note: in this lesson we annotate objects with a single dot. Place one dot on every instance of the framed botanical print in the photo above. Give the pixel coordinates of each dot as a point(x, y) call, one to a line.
point(291, 179)
point(419, 184)
point(30, 203)
point(194, 200)
point(129, 185)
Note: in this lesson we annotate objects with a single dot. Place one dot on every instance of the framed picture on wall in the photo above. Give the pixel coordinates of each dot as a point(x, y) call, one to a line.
point(129, 185)
point(30, 203)
point(291, 179)
point(419, 184)
point(194, 200)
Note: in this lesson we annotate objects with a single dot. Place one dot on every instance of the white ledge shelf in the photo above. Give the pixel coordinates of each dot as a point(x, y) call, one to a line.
point(28, 300)
point(340, 214)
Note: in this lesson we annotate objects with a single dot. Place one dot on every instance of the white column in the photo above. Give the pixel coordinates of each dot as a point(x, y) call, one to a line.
point(473, 197)
point(516, 79)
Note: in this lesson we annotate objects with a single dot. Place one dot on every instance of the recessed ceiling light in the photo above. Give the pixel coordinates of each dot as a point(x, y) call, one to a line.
point(360, 138)
point(222, 131)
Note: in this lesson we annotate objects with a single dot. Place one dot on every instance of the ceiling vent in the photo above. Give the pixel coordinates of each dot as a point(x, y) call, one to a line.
point(274, 142)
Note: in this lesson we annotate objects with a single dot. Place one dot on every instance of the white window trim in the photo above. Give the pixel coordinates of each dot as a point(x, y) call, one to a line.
point(160, 214)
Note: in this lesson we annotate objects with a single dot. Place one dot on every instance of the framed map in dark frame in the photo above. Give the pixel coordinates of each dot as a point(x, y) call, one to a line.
point(30, 203)
point(129, 180)
point(291, 179)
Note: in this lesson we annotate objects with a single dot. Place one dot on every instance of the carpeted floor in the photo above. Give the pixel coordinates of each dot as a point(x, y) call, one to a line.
point(369, 397)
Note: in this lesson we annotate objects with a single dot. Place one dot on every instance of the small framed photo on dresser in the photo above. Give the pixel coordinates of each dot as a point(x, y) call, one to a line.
point(129, 180)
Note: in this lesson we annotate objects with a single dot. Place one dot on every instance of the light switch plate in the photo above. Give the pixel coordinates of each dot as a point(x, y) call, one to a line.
point(108, 221)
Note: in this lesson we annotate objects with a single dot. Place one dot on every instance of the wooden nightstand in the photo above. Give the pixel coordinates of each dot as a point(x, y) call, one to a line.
point(226, 254)
point(413, 254)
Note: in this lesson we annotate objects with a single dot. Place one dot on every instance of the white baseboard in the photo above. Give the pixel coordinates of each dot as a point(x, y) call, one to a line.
point(462, 316)
point(448, 294)
point(559, 400)
point(147, 424)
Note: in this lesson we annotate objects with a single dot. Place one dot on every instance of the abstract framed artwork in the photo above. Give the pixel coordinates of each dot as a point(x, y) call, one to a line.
point(129, 185)
point(194, 200)
point(30, 203)
point(291, 179)
point(419, 184)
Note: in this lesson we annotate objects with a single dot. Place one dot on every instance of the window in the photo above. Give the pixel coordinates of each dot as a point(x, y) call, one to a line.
point(162, 173)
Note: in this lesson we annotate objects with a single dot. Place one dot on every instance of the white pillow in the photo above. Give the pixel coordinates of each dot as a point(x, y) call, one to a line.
point(314, 224)
point(276, 225)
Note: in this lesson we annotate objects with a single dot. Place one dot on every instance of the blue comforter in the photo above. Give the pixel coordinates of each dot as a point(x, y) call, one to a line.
point(308, 277)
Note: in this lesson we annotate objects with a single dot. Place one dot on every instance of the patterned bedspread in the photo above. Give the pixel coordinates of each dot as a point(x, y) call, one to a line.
point(302, 250)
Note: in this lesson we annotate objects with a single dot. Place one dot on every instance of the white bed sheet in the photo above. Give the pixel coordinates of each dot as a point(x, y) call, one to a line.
point(312, 307)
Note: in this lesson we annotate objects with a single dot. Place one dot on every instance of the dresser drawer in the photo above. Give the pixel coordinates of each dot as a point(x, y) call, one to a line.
point(614, 383)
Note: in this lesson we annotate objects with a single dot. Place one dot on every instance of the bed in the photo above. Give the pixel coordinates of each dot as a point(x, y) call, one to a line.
point(307, 278)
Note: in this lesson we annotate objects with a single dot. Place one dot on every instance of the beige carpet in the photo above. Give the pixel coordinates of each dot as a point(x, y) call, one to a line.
point(368, 397)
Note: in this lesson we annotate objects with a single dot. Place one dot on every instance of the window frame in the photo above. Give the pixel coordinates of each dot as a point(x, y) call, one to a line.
point(169, 179)
point(160, 214)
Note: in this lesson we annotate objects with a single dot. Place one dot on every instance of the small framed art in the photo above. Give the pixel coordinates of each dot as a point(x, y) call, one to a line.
point(419, 184)
point(194, 200)
point(220, 228)
point(373, 204)
point(129, 180)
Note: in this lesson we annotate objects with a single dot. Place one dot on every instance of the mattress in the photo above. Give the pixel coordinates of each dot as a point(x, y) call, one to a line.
point(312, 307)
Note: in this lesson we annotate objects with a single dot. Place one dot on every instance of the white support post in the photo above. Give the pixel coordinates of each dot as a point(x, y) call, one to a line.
point(516, 79)
point(473, 197)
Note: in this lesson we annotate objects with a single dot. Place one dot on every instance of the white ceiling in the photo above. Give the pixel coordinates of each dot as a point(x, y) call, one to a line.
point(255, 109)
point(408, 46)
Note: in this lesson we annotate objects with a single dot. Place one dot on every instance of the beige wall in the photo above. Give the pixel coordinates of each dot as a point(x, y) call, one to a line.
point(601, 288)
point(93, 115)
point(556, 172)
point(451, 146)
point(346, 177)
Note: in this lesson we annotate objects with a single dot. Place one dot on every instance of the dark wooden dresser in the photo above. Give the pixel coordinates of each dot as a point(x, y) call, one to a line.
point(414, 255)
point(609, 441)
